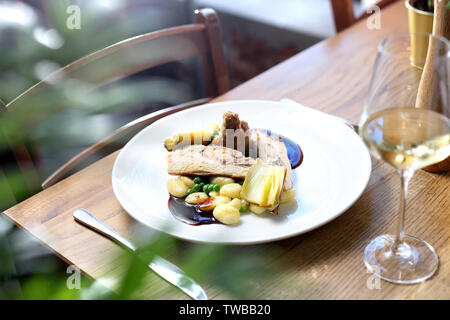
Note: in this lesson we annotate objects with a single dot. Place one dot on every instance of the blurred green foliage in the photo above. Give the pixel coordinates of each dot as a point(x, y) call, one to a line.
point(67, 114)
point(44, 278)
point(36, 42)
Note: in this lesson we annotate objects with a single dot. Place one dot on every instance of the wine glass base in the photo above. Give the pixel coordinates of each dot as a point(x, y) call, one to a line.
point(411, 261)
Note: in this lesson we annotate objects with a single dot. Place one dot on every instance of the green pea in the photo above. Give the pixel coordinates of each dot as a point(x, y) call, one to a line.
point(205, 188)
point(196, 188)
point(216, 187)
point(241, 182)
point(244, 208)
point(189, 191)
point(202, 184)
point(210, 187)
point(197, 180)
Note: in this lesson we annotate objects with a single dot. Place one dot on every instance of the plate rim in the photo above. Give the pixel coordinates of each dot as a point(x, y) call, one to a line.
point(271, 239)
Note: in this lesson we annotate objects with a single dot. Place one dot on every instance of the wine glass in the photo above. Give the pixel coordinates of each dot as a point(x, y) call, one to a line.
point(406, 123)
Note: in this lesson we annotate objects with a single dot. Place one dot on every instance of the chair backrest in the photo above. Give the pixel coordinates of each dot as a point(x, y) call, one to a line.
point(202, 39)
point(344, 15)
point(143, 52)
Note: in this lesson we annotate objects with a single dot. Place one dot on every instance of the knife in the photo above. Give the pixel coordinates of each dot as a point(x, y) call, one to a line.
point(160, 266)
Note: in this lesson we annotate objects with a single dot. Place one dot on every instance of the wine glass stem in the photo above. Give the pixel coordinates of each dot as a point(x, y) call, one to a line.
point(405, 176)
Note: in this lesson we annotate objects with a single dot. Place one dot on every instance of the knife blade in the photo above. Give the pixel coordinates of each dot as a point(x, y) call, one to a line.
point(165, 269)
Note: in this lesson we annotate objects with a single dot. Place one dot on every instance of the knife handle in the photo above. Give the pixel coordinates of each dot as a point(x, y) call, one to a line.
point(88, 219)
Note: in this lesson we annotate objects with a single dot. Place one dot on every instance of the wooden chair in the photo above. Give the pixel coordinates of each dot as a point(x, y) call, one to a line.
point(343, 13)
point(202, 39)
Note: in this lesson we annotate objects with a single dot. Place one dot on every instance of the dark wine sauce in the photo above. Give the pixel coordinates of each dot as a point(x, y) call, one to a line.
point(191, 214)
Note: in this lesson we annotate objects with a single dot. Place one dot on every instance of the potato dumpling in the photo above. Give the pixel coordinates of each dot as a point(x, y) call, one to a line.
point(210, 203)
point(257, 209)
point(212, 130)
point(177, 187)
point(226, 213)
point(171, 142)
point(221, 181)
point(232, 190)
point(222, 199)
point(194, 137)
point(237, 203)
point(287, 196)
point(214, 194)
point(212, 126)
point(187, 181)
point(196, 197)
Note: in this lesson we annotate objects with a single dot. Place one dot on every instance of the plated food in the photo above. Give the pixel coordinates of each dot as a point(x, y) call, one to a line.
point(222, 172)
point(327, 183)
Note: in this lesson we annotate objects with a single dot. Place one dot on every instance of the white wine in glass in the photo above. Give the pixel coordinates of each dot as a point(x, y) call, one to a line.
point(408, 136)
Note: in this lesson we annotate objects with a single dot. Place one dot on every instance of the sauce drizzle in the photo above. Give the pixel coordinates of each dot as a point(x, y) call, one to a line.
point(189, 213)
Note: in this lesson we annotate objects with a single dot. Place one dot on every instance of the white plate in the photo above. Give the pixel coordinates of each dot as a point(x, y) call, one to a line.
point(334, 172)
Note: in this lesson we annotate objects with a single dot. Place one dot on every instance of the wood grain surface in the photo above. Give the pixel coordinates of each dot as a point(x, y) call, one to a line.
point(325, 263)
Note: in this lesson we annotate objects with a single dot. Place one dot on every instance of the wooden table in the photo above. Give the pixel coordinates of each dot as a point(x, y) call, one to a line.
point(326, 263)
